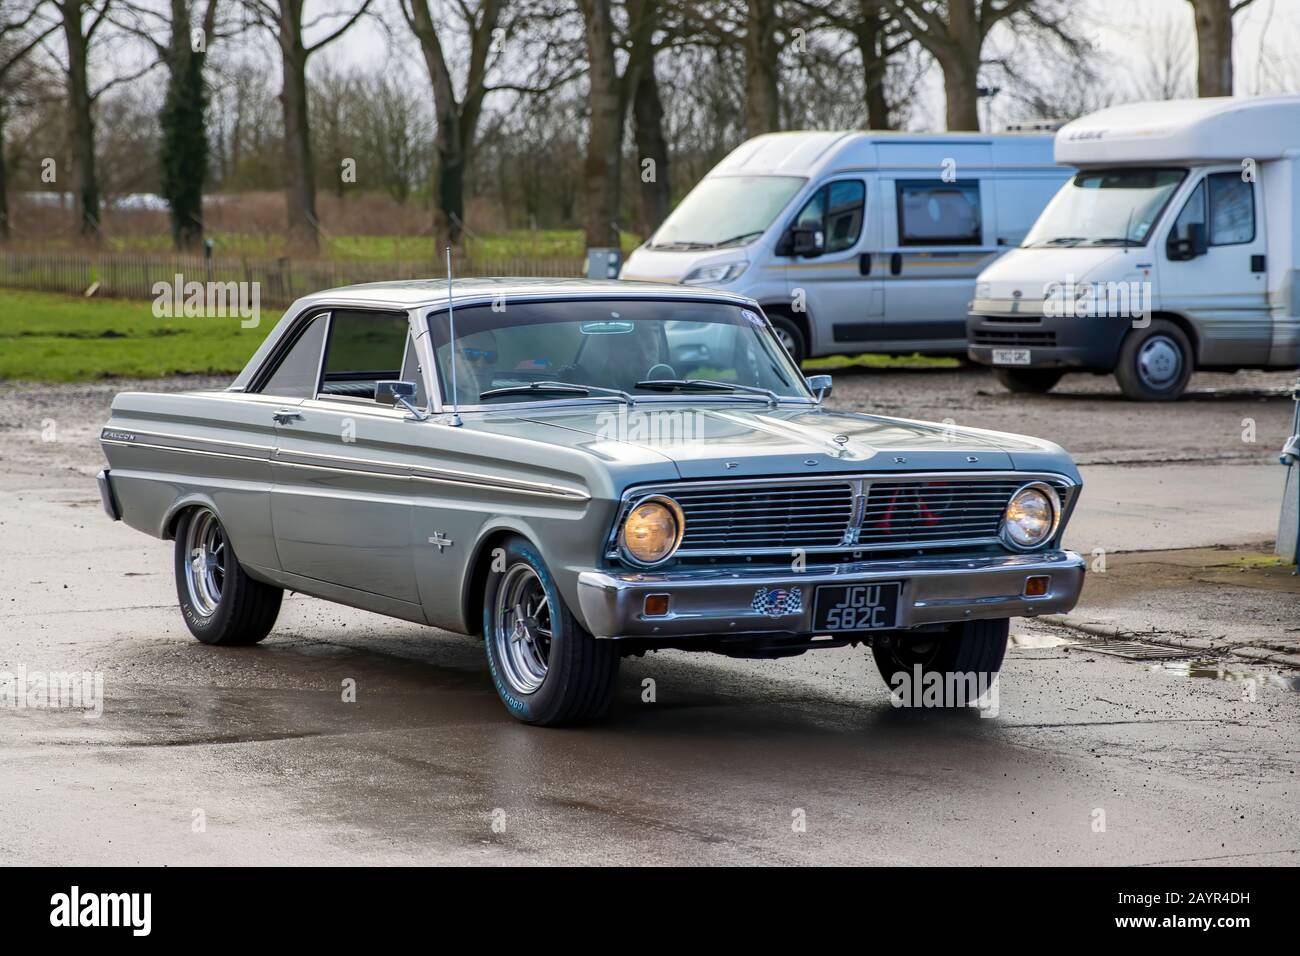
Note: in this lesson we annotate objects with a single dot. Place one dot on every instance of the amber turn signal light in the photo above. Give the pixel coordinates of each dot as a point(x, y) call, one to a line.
point(656, 605)
point(1036, 586)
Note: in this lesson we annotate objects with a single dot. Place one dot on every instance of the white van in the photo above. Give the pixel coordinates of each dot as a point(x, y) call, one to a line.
point(1176, 246)
point(856, 242)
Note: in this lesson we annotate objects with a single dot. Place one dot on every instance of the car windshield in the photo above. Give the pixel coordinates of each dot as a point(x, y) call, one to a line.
point(612, 349)
point(726, 210)
point(1110, 207)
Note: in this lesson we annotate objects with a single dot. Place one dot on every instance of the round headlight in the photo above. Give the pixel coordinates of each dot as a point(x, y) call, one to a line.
point(1031, 516)
point(652, 530)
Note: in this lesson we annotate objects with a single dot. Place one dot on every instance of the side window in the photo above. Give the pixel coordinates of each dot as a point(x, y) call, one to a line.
point(935, 213)
point(1232, 209)
point(363, 348)
point(836, 209)
point(1192, 214)
point(295, 376)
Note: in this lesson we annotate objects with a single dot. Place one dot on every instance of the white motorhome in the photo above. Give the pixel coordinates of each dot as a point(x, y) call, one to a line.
point(856, 241)
point(1175, 247)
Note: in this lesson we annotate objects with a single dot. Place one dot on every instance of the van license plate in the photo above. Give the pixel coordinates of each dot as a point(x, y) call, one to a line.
point(1011, 356)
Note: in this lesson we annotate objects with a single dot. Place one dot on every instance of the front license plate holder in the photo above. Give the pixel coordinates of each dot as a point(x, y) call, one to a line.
point(856, 607)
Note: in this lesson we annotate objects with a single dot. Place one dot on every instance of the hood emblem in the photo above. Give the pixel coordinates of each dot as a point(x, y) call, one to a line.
point(841, 439)
point(1016, 293)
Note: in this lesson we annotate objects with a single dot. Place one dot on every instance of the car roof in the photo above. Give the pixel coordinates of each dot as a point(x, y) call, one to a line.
point(412, 293)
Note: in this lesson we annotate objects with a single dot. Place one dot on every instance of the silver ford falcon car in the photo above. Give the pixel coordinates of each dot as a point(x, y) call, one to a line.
point(582, 470)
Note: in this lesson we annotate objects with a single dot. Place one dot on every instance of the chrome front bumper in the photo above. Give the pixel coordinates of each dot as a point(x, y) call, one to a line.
point(715, 601)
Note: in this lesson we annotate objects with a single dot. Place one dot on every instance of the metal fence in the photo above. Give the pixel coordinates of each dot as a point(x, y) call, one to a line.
point(131, 276)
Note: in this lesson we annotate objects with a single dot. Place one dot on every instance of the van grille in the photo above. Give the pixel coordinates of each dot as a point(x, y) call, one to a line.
point(1016, 337)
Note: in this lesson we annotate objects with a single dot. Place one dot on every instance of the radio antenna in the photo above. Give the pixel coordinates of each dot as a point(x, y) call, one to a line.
point(451, 350)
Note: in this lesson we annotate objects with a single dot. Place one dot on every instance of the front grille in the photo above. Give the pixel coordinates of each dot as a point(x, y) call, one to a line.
point(782, 516)
point(1014, 337)
point(860, 513)
point(933, 511)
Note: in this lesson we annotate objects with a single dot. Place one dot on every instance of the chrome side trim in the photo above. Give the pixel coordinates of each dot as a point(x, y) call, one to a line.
point(347, 465)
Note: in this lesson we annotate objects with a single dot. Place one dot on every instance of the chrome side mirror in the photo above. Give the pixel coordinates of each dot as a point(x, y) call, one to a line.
point(393, 392)
point(821, 384)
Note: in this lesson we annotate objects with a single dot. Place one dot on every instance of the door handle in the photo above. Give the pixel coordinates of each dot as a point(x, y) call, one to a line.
point(896, 263)
point(284, 416)
point(864, 264)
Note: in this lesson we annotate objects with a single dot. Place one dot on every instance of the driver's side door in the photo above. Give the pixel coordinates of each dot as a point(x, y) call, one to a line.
point(340, 498)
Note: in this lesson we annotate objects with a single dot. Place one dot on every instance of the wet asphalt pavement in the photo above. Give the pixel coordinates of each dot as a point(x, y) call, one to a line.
point(224, 756)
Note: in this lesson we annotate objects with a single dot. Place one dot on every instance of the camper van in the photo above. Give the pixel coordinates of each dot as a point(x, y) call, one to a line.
point(856, 242)
point(1174, 247)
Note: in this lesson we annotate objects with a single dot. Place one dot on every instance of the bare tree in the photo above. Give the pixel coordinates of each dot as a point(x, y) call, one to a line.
point(18, 38)
point(954, 31)
point(284, 19)
point(456, 116)
point(1214, 44)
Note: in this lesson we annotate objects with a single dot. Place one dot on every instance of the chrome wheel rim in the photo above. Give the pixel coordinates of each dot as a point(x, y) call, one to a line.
point(1159, 361)
point(205, 565)
point(522, 628)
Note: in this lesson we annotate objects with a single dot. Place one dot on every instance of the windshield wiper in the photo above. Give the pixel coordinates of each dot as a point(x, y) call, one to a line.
point(737, 239)
point(682, 244)
point(1113, 241)
point(706, 385)
point(1062, 241)
point(556, 388)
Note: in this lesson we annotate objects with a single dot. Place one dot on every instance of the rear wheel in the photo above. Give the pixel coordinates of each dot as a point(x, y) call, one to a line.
point(966, 657)
point(1155, 363)
point(546, 668)
point(1028, 380)
point(222, 605)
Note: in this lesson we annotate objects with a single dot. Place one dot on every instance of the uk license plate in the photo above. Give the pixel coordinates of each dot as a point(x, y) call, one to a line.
point(1011, 356)
point(856, 607)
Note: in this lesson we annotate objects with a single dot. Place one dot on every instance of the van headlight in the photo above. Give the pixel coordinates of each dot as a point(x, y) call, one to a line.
point(1032, 516)
point(652, 530)
point(713, 275)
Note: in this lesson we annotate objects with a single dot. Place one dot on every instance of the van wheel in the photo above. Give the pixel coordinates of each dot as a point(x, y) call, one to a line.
point(547, 670)
point(1155, 363)
point(969, 648)
point(791, 336)
point(1036, 381)
point(222, 605)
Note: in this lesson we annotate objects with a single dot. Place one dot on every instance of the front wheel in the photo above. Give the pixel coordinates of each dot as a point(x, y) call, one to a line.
point(1028, 381)
point(222, 605)
point(791, 336)
point(546, 668)
point(1155, 363)
point(964, 657)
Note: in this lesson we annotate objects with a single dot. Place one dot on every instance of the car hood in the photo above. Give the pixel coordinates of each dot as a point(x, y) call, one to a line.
point(1027, 273)
point(737, 440)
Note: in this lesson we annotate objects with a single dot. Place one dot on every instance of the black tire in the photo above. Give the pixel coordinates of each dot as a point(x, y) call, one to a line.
point(1028, 381)
point(791, 336)
point(1155, 363)
point(245, 610)
point(972, 647)
point(578, 677)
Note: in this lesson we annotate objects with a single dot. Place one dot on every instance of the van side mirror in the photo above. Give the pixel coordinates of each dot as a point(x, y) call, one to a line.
point(807, 242)
point(821, 385)
point(1195, 244)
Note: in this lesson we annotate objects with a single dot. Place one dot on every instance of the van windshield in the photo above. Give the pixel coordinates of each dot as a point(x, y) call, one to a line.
point(726, 211)
point(1108, 207)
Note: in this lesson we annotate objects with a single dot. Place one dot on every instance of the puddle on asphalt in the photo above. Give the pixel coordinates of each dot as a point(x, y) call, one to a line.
point(1249, 675)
